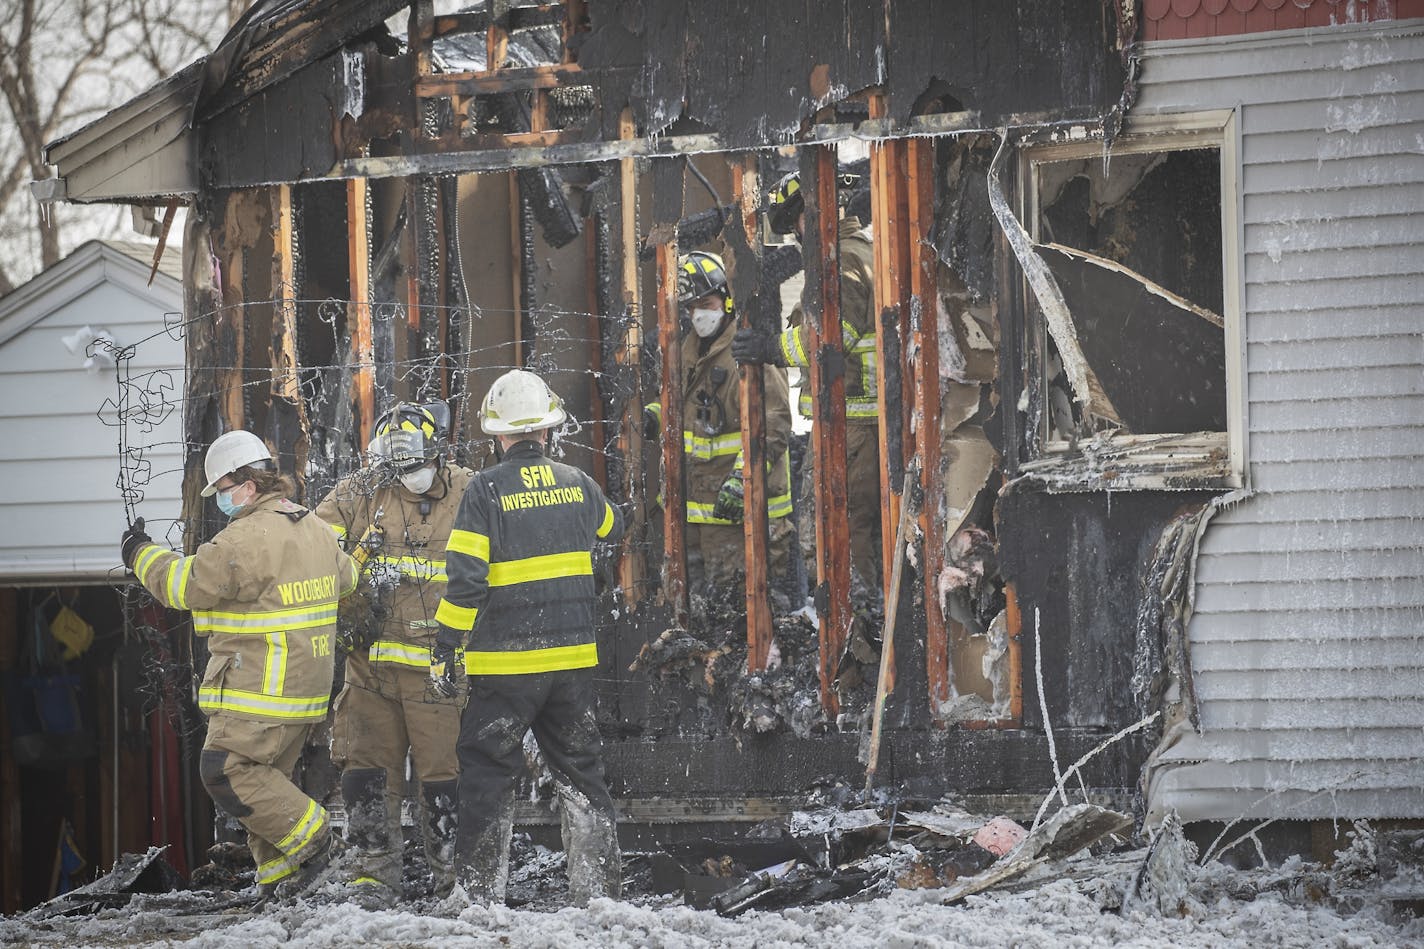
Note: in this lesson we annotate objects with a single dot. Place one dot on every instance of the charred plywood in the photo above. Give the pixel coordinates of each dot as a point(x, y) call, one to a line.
point(757, 73)
point(1078, 564)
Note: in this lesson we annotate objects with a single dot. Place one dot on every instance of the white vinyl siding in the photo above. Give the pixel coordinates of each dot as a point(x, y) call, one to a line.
point(1307, 641)
point(61, 513)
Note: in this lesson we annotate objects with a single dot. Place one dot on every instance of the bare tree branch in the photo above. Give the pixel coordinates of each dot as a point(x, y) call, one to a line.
point(61, 63)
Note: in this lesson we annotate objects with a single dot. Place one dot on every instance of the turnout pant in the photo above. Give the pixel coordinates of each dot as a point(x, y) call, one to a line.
point(385, 710)
point(559, 708)
point(721, 551)
point(246, 765)
point(862, 504)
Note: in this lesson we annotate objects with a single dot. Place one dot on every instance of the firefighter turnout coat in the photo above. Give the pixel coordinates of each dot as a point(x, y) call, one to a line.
point(857, 263)
point(712, 426)
point(264, 591)
point(398, 540)
point(520, 565)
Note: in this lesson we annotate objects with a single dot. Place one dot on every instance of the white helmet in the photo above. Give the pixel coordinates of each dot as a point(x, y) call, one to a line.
point(229, 452)
point(519, 401)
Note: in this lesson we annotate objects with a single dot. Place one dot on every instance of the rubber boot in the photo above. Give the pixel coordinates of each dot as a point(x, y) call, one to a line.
point(373, 879)
point(322, 867)
point(439, 802)
point(483, 864)
point(591, 845)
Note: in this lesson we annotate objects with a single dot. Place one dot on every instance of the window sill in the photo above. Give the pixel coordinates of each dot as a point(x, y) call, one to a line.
point(1110, 462)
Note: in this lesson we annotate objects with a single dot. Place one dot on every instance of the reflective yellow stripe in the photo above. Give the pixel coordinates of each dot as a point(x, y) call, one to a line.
point(307, 617)
point(862, 407)
point(700, 513)
point(296, 708)
point(779, 506)
point(401, 654)
point(178, 575)
point(274, 673)
point(607, 524)
point(793, 347)
point(456, 617)
point(717, 446)
point(417, 568)
point(469, 543)
point(305, 830)
point(857, 406)
point(526, 661)
point(340, 531)
point(575, 563)
point(278, 869)
point(145, 560)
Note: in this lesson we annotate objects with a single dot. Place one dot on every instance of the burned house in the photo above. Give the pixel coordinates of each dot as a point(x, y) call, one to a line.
point(1147, 286)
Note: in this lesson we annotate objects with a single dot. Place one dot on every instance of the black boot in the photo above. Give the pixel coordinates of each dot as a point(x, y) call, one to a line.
point(439, 803)
point(372, 878)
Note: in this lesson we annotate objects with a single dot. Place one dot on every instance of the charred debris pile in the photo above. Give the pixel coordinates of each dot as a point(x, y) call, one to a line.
point(849, 846)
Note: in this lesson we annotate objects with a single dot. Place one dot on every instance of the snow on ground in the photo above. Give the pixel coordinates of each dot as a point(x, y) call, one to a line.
point(1075, 905)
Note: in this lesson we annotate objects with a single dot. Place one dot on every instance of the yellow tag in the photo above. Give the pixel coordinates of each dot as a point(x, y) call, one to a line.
point(72, 632)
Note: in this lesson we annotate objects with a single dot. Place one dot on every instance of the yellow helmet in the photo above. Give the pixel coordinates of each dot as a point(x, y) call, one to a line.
point(700, 274)
point(409, 436)
point(785, 204)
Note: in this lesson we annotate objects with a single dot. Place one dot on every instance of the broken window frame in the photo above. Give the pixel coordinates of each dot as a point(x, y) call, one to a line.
point(1149, 461)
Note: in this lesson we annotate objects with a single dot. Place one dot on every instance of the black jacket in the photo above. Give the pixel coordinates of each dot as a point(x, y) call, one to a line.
point(520, 566)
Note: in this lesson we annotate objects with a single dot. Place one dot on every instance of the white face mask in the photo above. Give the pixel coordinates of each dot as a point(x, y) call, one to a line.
point(705, 322)
point(419, 480)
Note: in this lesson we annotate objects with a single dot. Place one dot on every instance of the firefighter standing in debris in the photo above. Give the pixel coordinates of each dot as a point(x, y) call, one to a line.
point(395, 518)
point(751, 346)
point(264, 593)
point(712, 439)
point(521, 591)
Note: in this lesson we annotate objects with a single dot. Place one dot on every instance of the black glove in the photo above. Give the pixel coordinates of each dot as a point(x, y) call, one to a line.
point(651, 423)
point(728, 506)
point(133, 539)
point(751, 346)
point(447, 667)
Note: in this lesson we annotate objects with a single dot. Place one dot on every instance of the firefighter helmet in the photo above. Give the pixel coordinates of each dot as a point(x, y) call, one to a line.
point(785, 204)
point(229, 452)
point(700, 274)
point(409, 436)
point(520, 401)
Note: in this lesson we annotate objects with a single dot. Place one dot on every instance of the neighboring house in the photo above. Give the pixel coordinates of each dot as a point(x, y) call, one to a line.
point(60, 461)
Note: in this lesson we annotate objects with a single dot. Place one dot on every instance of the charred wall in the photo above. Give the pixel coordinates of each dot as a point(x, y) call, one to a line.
point(786, 61)
point(1077, 562)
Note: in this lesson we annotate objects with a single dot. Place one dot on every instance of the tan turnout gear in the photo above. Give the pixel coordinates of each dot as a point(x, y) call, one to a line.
point(857, 263)
point(386, 708)
point(264, 592)
point(712, 450)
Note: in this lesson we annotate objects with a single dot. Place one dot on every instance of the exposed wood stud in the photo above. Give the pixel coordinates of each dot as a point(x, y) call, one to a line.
point(889, 210)
point(286, 384)
point(924, 375)
point(632, 566)
point(674, 498)
point(359, 309)
point(421, 30)
point(821, 306)
point(1014, 618)
point(753, 397)
point(595, 354)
